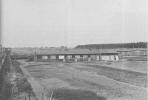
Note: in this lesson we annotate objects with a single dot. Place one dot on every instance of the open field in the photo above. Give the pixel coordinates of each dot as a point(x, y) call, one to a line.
point(110, 83)
point(125, 75)
point(136, 66)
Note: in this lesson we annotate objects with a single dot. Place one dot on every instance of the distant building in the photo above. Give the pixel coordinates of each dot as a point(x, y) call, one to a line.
point(138, 52)
point(77, 55)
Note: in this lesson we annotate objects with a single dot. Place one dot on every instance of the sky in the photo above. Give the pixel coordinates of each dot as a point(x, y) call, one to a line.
point(52, 23)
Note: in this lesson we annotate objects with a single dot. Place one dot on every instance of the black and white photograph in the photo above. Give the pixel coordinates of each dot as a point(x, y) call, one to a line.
point(73, 49)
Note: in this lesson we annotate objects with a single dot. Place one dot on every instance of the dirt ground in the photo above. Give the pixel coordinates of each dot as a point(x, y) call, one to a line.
point(123, 75)
point(111, 83)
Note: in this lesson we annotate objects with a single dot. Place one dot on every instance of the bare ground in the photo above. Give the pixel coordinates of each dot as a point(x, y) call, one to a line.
point(112, 84)
point(127, 76)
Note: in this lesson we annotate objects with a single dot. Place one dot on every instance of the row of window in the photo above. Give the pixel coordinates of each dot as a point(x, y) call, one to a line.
point(97, 57)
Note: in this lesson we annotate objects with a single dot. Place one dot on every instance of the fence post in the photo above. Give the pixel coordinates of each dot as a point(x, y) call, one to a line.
point(42, 96)
point(51, 95)
point(29, 97)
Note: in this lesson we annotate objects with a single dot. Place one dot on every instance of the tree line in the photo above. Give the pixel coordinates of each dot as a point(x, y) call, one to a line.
point(112, 46)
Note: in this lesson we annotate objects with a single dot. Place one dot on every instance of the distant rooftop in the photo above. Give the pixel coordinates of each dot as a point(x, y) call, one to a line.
point(75, 51)
point(61, 51)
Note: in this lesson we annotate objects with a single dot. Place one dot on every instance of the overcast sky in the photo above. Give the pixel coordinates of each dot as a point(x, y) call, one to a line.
point(72, 22)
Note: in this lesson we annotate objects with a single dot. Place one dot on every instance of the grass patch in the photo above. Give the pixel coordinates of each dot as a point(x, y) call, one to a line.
point(135, 78)
point(69, 94)
point(22, 83)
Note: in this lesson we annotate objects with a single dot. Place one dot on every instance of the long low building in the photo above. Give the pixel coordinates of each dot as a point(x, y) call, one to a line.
point(136, 52)
point(75, 55)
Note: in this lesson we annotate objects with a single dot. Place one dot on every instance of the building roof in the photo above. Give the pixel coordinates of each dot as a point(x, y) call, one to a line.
point(73, 52)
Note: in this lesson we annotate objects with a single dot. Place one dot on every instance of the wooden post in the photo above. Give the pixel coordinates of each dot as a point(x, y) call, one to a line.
point(65, 58)
point(49, 57)
point(35, 56)
point(115, 57)
point(57, 57)
point(29, 97)
point(42, 96)
point(51, 96)
point(100, 57)
point(89, 57)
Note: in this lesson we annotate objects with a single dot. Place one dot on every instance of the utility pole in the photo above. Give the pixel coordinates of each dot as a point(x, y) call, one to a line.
point(1, 26)
point(35, 55)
